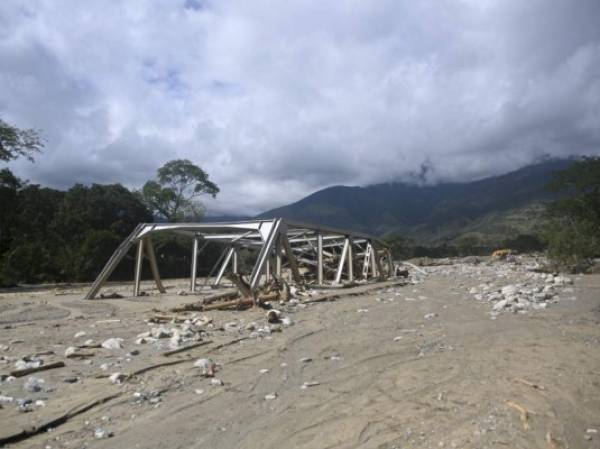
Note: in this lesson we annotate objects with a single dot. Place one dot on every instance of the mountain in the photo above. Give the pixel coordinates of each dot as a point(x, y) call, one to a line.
point(493, 207)
point(225, 218)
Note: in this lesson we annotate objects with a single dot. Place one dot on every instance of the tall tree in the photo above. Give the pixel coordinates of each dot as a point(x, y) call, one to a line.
point(573, 229)
point(15, 142)
point(173, 196)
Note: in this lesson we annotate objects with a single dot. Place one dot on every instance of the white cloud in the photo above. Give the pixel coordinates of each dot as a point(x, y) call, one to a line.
point(278, 99)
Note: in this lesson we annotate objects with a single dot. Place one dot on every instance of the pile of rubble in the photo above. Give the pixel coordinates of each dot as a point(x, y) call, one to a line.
point(513, 285)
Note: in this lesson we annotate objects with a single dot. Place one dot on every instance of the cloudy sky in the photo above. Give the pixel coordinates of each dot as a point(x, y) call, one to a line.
point(277, 99)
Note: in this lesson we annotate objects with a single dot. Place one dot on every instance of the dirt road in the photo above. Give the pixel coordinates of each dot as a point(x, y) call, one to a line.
point(414, 366)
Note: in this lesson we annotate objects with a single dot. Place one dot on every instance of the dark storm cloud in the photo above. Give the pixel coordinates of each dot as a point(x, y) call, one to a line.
point(276, 100)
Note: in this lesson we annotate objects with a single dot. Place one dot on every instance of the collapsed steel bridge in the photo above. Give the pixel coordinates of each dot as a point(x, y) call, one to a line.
point(304, 253)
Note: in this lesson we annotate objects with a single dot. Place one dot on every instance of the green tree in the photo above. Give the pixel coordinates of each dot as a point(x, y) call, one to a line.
point(573, 228)
point(15, 142)
point(467, 243)
point(90, 222)
point(401, 247)
point(173, 196)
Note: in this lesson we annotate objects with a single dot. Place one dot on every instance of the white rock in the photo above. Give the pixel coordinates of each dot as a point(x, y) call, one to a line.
point(80, 334)
point(207, 367)
point(34, 363)
point(70, 351)
point(175, 342)
point(33, 384)
point(494, 296)
point(430, 316)
point(508, 290)
point(500, 305)
point(199, 391)
point(117, 378)
point(231, 326)
point(216, 382)
point(287, 321)
point(306, 385)
point(273, 316)
point(270, 396)
point(4, 399)
point(160, 332)
point(112, 343)
point(263, 371)
point(101, 433)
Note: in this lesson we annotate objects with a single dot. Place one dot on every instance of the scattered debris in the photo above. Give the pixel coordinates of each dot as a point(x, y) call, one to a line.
point(529, 384)
point(111, 295)
point(273, 316)
point(523, 413)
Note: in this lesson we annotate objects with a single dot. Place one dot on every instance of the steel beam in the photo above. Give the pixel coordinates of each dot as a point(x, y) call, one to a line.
point(343, 256)
point(278, 261)
point(374, 270)
point(350, 260)
point(320, 259)
point(112, 263)
point(366, 261)
point(263, 256)
point(194, 266)
point(234, 261)
point(224, 265)
point(139, 256)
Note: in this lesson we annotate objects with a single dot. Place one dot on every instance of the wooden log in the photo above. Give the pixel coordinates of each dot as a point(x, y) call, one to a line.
point(272, 296)
point(185, 348)
point(241, 284)
point(26, 371)
point(55, 422)
point(228, 304)
point(198, 307)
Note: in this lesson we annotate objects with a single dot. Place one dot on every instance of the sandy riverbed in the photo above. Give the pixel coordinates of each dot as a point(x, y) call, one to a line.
point(384, 375)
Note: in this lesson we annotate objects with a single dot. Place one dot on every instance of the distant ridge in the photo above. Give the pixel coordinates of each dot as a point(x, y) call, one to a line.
point(493, 207)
